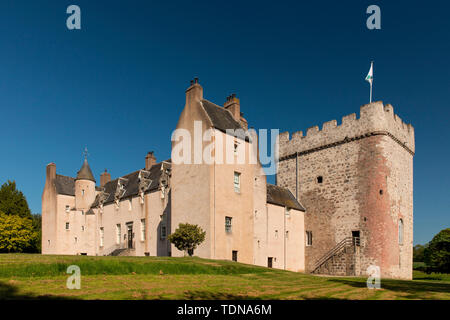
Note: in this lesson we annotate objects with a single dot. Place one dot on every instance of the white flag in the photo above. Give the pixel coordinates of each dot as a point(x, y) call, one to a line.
point(369, 77)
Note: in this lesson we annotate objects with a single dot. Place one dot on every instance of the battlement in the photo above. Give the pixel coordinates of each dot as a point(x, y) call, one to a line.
point(375, 118)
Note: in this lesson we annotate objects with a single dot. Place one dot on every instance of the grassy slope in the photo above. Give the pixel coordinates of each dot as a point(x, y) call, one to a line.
point(36, 276)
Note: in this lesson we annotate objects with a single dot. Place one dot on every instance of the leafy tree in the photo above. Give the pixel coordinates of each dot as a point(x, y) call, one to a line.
point(35, 245)
point(437, 254)
point(16, 233)
point(187, 237)
point(12, 201)
point(418, 251)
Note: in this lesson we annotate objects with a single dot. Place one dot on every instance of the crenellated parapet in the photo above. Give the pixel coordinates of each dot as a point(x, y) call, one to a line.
point(375, 119)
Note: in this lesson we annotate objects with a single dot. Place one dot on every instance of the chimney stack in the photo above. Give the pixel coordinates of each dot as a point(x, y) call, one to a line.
point(105, 177)
point(234, 106)
point(194, 92)
point(150, 160)
point(51, 171)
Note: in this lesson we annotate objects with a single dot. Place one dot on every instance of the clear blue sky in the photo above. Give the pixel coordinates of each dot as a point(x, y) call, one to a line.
point(117, 85)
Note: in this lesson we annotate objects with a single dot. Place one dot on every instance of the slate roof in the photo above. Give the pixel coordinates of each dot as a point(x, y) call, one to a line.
point(131, 184)
point(282, 197)
point(222, 119)
point(85, 172)
point(65, 185)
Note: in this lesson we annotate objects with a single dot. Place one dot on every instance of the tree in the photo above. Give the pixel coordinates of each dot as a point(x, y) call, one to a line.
point(12, 201)
point(16, 233)
point(187, 237)
point(418, 251)
point(437, 253)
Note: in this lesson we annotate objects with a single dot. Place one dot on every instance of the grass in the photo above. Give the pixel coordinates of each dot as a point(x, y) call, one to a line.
point(26, 276)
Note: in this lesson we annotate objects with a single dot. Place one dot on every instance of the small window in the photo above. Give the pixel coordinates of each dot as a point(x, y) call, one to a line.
point(142, 229)
point(236, 146)
point(287, 211)
point(67, 209)
point(82, 228)
point(287, 234)
point(163, 231)
point(237, 182)
point(130, 205)
point(67, 226)
point(309, 238)
point(118, 234)
point(319, 179)
point(82, 212)
point(228, 225)
point(76, 239)
point(82, 192)
point(400, 231)
point(102, 236)
point(234, 255)
point(276, 234)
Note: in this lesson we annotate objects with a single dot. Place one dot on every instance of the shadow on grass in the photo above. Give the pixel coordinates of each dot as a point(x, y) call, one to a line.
point(207, 295)
point(415, 289)
point(11, 292)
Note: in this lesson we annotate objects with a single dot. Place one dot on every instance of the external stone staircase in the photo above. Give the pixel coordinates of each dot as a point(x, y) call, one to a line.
point(342, 259)
point(122, 252)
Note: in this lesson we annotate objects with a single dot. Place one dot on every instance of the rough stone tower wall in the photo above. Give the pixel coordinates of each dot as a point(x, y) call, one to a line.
point(366, 169)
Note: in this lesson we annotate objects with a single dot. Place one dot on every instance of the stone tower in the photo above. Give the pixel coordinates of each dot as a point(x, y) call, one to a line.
point(356, 182)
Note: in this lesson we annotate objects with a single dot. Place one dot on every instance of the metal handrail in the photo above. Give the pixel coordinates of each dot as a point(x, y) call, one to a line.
point(346, 242)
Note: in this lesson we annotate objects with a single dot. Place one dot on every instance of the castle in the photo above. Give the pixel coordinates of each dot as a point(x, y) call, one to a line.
point(342, 200)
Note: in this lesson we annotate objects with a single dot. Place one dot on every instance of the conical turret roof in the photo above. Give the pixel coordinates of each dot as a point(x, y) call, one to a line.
point(85, 172)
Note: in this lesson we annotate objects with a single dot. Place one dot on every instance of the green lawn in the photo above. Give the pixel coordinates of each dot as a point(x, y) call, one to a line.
point(25, 276)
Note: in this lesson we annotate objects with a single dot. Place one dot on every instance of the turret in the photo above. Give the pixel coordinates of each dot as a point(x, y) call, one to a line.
point(84, 187)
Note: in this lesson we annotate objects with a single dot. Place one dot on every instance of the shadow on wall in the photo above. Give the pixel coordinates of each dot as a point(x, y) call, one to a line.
point(163, 246)
point(11, 292)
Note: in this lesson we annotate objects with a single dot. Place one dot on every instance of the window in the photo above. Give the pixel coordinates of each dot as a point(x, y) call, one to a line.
point(130, 205)
point(287, 211)
point(276, 234)
point(237, 182)
point(67, 226)
point(319, 179)
point(400, 231)
point(76, 240)
point(234, 255)
point(236, 145)
point(82, 192)
point(228, 224)
point(309, 238)
point(163, 231)
point(82, 212)
point(82, 228)
point(118, 234)
point(142, 229)
point(287, 234)
point(102, 236)
point(67, 209)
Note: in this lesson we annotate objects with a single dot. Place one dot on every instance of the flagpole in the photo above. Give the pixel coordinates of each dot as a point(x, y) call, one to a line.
point(370, 100)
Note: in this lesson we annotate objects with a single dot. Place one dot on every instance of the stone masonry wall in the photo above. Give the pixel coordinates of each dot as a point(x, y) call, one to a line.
point(366, 170)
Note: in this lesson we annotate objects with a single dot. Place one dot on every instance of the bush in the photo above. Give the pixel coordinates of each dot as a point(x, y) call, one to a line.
point(16, 233)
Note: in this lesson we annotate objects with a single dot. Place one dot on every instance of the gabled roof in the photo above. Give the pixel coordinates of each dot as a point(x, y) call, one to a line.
point(131, 184)
point(282, 197)
point(222, 119)
point(85, 172)
point(65, 185)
